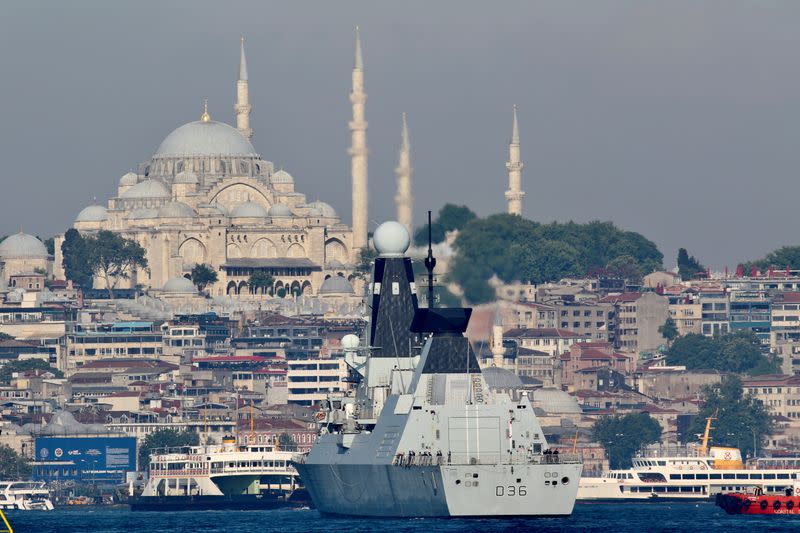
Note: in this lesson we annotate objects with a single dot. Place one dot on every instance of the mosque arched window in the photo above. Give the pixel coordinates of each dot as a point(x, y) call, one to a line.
point(244, 167)
point(178, 167)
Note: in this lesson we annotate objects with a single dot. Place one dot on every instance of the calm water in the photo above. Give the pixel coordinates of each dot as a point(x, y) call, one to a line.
point(608, 518)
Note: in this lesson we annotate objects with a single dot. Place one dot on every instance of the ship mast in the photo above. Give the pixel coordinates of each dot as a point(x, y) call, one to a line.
point(430, 264)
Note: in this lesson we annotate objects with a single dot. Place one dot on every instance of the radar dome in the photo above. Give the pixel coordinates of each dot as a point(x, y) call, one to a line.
point(350, 342)
point(391, 239)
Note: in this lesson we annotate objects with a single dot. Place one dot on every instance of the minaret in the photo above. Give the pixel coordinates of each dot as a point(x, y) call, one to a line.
point(498, 351)
point(243, 106)
point(403, 199)
point(358, 151)
point(514, 194)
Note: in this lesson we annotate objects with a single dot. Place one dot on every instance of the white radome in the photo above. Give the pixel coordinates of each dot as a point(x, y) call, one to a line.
point(350, 341)
point(391, 239)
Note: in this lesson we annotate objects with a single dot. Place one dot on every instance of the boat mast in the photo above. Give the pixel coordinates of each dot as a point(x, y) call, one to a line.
point(706, 435)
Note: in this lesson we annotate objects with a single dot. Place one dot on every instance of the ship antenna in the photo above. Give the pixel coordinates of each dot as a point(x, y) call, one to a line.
point(430, 264)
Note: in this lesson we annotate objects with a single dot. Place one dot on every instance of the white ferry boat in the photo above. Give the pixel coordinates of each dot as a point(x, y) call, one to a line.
point(699, 475)
point(25, 495)
point(227, 476)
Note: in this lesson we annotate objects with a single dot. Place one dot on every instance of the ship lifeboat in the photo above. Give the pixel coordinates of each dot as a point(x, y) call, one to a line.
point(740, 503)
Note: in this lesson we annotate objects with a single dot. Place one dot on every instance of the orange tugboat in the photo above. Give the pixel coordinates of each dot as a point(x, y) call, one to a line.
point(758, 503)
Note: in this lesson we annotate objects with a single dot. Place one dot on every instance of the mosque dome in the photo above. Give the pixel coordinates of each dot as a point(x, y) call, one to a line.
point(281, 176)
point(336, 285)
point(180, 285)
point(176, 210)
point(128, 179)
point(249, 210)
point(501, 378)
point(391, 239)
point(92, 213)
point(324, 209)
point(147, 189)
point(552, 400)
point(280, 210)
point(203, 138)
point(187, 176)
point(142, 213)
point(22, 245)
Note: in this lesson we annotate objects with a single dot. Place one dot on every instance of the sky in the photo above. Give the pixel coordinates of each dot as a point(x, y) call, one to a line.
point(675, 119)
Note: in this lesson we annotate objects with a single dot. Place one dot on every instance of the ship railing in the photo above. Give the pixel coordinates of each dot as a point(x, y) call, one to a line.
point(429, 459)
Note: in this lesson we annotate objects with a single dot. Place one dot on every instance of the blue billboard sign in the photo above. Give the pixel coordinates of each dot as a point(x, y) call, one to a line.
point(89, 457)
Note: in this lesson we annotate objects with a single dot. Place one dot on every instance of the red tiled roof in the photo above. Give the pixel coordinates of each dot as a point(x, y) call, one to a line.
point(621, 298)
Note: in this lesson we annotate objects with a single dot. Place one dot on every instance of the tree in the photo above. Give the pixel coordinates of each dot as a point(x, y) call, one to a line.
point(50, 244)
point(786, 256)
point(737, 352)
point(12, 465)
point(164, 438)
point(260, 279)
point(203, 275)
point(286, 442)
point(516, 249)
point(688, 267)
point(451, 217)
point(625, 267)
point(366, 258)
point(741, 420)
point(548, 261)
point(622, 436)
point(113, 257)
point(23, 365)
point(75, 259)
point(669, 330)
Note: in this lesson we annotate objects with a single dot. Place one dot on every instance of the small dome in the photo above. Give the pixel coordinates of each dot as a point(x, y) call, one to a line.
point(336, 285)
point(180, 285)
point(249, 209)
point(92, 213)
point(176, 210)
point(22, 245)
point(147, 189)
point(281, 176)
point(501, 379)
point(324, 209)
point(142, 213)
point(391, 239)
point(205, 138)
point(552, 400)
point(187, 176)
point(128, 179)
point(280, 210)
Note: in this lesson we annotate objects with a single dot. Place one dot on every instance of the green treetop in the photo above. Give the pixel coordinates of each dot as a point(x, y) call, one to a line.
point(203, 275)
point(623, 436)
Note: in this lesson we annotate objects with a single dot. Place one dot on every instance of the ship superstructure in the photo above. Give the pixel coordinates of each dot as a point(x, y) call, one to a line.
point(422, 435)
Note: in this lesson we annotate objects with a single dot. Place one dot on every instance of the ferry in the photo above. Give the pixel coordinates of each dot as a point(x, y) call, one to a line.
point(25, 496)
point(228, 476)
point(691, 476)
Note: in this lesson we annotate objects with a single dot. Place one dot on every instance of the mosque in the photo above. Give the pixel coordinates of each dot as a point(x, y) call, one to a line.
point(207, 197)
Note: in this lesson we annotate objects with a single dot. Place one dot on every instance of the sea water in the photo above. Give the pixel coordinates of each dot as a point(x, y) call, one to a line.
point(606, 518)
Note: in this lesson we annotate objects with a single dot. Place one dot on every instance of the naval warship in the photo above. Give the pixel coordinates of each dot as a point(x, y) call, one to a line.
point(421, 434)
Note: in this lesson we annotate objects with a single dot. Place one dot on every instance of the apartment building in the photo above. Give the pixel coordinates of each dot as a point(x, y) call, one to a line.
point(310, 380)
point(780, 394)
point(636, 319)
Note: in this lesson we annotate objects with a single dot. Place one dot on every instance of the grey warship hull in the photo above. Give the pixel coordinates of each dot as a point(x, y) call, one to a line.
point(441, 491)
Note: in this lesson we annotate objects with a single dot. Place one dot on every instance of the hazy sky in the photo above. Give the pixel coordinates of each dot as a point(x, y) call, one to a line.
point(676, 119)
